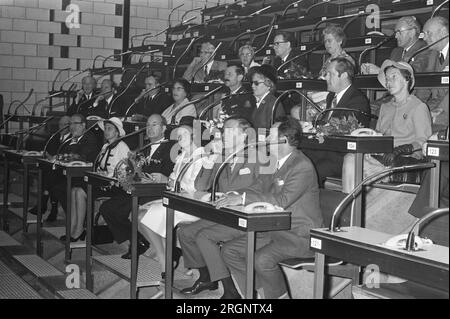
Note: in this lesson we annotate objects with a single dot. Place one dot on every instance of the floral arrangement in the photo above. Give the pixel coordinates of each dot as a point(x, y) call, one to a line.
point(338, 126)
point(216, 124)
point(129, 170)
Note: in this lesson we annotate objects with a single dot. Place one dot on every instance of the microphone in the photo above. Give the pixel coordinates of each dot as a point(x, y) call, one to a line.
point(52, 137)
point(367, 181)
point(341, 109)
point(416, 227)
point(188, 11)
point(148, 53)
point(438, 8)
point(153, 36)
point(426, 47)
point(23, 102)
point(115, 55)
point(373, 48)
point(316, 5)
point(182, 54)
point(57, 75)
point(232, 155)
point(269, 33)
point(208, 107)
point(138, 35)
point(207, 61)
point(183, 35)
point(141, 96)
point(92, 98)
point(29, 131)
point(33, 109)
point(299, 56)
point(289, 92)
point(50, 107)
point(230, 46)
point(242, 17)
point(196, 101)
point(79, 138)
point(171, 12)
point(294, 4)
point(127, 87)
point(70, 78)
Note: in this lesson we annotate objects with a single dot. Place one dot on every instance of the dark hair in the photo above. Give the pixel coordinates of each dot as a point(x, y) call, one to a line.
point(81, 117)
point(287, 36)
point(405, 73)
point(185, 84)
point(155, 76)
point(337, 32)
point(238, 68)
point(344, 66)
point(243, 123)
point(291, 129)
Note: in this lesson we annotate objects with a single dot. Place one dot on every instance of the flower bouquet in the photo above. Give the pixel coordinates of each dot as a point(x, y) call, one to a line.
point(338, 126)
point(129, 170)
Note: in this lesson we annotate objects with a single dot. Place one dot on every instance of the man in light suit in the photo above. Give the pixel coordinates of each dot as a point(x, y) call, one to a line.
point(202, 252)
point(438, 99)
point(212, 70)
point(293, 187)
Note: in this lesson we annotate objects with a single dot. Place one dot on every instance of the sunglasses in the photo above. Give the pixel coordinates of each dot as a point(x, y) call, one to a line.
point(256, 83)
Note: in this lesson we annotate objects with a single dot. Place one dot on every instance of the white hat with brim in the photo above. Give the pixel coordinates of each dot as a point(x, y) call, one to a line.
point(114, 121)
point(399, 65)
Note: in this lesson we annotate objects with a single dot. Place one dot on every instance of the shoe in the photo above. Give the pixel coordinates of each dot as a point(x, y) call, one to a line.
point(53, 213)
point(81, 237)
point(141, 248)
point(199, 286)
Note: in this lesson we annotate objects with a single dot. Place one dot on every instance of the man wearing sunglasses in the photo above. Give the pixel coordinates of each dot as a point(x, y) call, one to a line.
point(407, 32)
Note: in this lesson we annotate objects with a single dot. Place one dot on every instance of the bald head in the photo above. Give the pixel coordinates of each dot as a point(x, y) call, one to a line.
point(434, 29)
point(89, 84)
point(156, 126)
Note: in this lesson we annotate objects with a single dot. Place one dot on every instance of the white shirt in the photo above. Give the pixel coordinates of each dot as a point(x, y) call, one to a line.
point(252, 64)
point(64, 137)
point(236, 90)
point(281, 162)
point(262, 98)
point(340, 94)
point(154, 147)
point(172, 110)
point(209, 66)
point(444, 51)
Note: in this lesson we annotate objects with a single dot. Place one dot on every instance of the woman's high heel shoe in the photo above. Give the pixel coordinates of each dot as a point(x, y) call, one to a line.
point(177, 253)
point(81, 237)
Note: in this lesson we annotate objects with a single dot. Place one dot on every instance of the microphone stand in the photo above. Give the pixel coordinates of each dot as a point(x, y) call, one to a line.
point(28, 131)
point(79, 138)
point(33, 109)
point(203, 112)
point(374, 47)
point(138, 35)
point(23, 102)
point(92, 98)
point(182, 54)
point(299, 56)
point(137, 100)
point(207, 61)
point(242, 17)
point(294, 4)
point(230, 46)
point(153, 36)
point(438, 8)
point(372, 178)
point(57, 75)
point(52, 137)
point(232, 155)
point(427, 47)
point(289, 92)
point(115, 55)
point(171, 12)
point(316, 5)
point(272, 27)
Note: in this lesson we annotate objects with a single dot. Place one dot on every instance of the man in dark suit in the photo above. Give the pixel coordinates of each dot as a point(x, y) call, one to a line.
point(196, 72)
point(154, 102)
point(117, 209)
point(264, 81)
point(292, 185)
point(438, 98)
point(240, 105)
point(343, 94)
point(106, 105)
point(84, 98)
point(83, 146)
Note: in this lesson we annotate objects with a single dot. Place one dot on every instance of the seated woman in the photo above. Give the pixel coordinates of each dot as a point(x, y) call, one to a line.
point(110, 154)
point(181, 92)
point(152, 218)
point(405, 117)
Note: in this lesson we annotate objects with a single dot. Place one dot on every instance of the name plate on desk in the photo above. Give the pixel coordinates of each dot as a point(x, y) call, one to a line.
point(437, 150)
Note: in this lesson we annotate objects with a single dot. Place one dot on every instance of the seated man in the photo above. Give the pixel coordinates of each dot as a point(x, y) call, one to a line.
point(83, 146)
point(117, 209)
point(83, 100)
point(103, 105)
point(343, 94)
point(154, 102)
point(212, 70)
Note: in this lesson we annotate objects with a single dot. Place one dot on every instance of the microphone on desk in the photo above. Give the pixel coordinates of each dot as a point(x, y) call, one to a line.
point(293, 4)
point(316, 5)
point(33, 109)
point(172, 11)
point(56, 77)
point(52, 137)
point(207, 61)
point(386, 40)
point(188, 48)
point(232, 155)
point(153, 36)
point(28, 131)
point(411, 59)
point(290, 92)
point(242, 17)
point(22, 104)
point(115, 55)
point(208, 107)
point(10, 106)
point(141, 96)
point(299, 56)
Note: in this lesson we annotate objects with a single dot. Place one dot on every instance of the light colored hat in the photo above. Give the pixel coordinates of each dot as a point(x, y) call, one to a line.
point(114, 121)
point(399, 65)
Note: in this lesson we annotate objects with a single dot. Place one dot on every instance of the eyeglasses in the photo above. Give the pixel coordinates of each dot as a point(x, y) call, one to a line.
point(256, 83)
point(75, 123)
point(275, 44)
point(245, 54)
point(400, 31)
point(206, 52)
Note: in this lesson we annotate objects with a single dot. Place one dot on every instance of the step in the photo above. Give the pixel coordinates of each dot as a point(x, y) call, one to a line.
point(7, 240)
point(149, 270)
point(57, 232)
point(4, 269)
point(76, 294)
point(31, 219)
point(13, 287)
point(38, 266)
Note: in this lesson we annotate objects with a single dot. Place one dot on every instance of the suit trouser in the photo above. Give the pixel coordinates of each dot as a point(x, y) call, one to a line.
point(268, 274)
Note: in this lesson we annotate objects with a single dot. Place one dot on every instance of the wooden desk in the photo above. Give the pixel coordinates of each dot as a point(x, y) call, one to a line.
point(437, 151)
point(358, 145)
point(234, 217)
point(27, 159)
point(364, 247)
point(139, 190)
point(69, 172)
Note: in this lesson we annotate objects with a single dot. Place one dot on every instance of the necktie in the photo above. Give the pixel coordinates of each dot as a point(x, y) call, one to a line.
point(441, 58)
point(403, 54)
point(334, 102)
point(206, 69)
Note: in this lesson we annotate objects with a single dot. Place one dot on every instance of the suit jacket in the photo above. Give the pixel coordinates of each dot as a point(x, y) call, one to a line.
point(216, 71)
point(294, 188)
point(294, 69)
point(156, 105)
point(115, 108)
point(160, 162)
point(262, 116)
point(352, 99)
point(87, 147)
point(54, 144)
point(242, 105)
point(243, 175)
point(83, 105)
point(419, 62)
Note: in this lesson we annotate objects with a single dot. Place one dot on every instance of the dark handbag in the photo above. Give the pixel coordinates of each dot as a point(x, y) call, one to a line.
point(101, 233)
point(410, 177)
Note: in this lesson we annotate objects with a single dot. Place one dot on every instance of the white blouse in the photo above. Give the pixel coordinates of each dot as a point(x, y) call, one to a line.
point(116, 154)
point(187, 111)
point(187, 182)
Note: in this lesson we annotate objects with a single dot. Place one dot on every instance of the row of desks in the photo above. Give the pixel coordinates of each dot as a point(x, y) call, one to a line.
point(236, 218)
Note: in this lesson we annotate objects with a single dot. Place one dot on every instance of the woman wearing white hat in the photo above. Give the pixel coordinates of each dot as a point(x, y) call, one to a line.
point(405, 117)
point(110, 154)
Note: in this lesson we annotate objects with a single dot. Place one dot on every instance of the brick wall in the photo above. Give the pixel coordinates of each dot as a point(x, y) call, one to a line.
point(36, 42)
